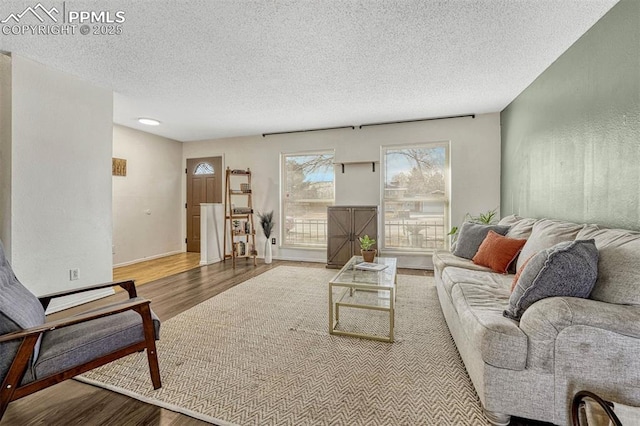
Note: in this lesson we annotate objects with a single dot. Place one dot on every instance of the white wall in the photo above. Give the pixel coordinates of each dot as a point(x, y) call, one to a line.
point(5, 153)
point(474, 153)
point(147, 203)
point(61, 180)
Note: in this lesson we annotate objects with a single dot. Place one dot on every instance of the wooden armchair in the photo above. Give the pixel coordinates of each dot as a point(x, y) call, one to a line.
point(35, 354)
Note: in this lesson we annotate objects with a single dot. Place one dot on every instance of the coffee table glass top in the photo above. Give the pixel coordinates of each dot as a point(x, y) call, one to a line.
point(350, 274)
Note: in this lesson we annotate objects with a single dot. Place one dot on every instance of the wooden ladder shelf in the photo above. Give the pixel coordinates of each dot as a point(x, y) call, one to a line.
point(239, 232)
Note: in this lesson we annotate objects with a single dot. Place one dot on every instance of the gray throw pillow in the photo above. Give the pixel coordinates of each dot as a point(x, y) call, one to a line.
point(567, 269)
point(472, 235)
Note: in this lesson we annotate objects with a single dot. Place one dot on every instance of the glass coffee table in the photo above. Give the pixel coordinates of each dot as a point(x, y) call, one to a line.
point(351, 280)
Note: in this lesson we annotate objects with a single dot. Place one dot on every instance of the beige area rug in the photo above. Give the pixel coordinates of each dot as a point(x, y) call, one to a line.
point(260, 354)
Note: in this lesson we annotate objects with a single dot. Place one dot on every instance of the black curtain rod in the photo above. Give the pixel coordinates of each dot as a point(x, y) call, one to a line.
point(368, 125)
point(309, 130)
point(416, 120)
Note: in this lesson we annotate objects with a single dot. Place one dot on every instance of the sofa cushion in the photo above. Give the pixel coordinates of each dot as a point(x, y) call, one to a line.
point(443, 259)
point(498, 340)
point(453, 276)
point(518, 227)
point(498, 252)
point(618, 265)
point(510, 220)
point(522, 229)
point(78, 344)
point(545, 234)
point(569, 268)
point(472, 235)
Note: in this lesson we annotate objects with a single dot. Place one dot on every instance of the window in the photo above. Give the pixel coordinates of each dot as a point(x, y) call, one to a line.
point(415, 201)
point(307, 189)
point(204, 169)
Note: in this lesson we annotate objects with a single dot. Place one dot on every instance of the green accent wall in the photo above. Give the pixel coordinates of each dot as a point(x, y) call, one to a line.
point(571, 140)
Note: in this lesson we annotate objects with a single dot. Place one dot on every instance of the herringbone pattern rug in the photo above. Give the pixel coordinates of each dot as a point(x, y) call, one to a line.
point(260, 354)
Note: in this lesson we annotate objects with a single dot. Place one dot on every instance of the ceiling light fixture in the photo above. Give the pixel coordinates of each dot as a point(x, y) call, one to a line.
point(148, 121)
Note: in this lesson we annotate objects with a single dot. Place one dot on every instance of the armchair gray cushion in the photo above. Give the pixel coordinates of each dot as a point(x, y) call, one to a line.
point(19, 309)
point(78, 344)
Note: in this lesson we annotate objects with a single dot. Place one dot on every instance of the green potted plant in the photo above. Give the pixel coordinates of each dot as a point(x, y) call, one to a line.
point(486, 218)
point(366, 244)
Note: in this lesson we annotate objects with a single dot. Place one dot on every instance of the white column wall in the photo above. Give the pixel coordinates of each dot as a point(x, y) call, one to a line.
point(61, 180)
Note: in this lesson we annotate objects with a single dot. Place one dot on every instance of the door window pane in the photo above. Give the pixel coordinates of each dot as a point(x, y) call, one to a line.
point(203, 169)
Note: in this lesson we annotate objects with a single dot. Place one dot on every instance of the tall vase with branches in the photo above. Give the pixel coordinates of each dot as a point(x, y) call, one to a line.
point(267, 224)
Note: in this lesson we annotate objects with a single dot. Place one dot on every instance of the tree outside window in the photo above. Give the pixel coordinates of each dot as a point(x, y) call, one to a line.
point(307, 189)
point(415, 200)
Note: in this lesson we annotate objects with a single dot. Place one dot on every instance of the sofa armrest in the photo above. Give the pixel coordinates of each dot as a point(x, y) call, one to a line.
point(553, 314)
point(545, 319)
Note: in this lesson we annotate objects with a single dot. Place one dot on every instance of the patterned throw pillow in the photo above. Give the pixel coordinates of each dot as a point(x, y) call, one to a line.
point(568, 269)
point(472, 235)
point(498, 252)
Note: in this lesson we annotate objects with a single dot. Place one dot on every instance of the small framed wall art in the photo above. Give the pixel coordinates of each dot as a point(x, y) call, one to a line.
point(118, 167)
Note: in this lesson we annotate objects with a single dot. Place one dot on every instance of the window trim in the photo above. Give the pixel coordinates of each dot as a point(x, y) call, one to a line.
point(447, 194)
point(282, 219)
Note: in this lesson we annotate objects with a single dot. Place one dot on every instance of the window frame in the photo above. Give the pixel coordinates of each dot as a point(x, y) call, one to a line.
point(447, 197)
point(283, 190)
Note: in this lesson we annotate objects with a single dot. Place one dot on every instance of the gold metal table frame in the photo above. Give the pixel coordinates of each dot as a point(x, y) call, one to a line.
point(352, 280)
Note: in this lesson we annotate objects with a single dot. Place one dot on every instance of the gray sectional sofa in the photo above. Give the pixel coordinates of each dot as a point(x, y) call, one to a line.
point(561, 345)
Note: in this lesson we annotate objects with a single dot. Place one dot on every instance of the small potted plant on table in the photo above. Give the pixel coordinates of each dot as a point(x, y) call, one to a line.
point(366, 244)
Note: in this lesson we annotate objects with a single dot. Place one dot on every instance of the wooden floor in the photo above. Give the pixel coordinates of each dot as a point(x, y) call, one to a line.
point(151, 270)
point(74, 403)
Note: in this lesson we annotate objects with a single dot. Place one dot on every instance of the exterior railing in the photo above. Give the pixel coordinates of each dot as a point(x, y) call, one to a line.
point(428, 234)
point(306, 232)
point(403, 233)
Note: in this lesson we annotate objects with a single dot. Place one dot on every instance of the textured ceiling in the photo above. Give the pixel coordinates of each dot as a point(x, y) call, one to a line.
point(210, 69)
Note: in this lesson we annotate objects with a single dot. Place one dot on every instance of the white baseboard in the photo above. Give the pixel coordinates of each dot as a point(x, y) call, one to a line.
point(299, 259)
point(156, 256)
point(75, 300)
point(212, 261)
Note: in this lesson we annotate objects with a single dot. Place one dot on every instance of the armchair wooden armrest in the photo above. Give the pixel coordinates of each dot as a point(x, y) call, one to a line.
point(128, 285)
point(132, 304)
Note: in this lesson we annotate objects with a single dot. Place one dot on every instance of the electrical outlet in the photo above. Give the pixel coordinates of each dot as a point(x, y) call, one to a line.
point(74, 274)
point(273, 241)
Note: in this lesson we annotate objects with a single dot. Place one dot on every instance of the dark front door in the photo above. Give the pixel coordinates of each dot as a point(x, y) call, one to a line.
point(204, 185)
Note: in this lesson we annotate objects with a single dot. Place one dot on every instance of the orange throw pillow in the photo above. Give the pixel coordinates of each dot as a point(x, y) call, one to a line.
point(497, 252)
point(517, 276)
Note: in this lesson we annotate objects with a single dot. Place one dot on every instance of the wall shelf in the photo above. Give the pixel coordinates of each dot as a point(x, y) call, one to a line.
point(342, 163)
